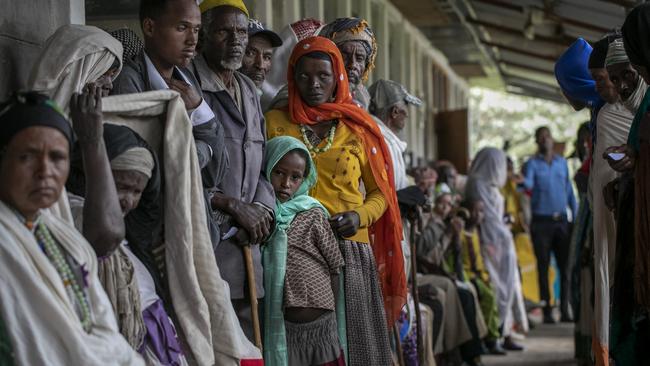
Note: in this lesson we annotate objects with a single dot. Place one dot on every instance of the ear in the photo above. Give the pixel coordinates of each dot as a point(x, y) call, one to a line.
point(148, 27)
point(394, 111)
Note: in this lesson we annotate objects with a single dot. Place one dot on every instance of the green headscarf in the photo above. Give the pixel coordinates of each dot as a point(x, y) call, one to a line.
point(274, 252)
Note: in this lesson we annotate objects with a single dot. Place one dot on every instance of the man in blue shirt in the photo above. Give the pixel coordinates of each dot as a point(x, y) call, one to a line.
point(547, 176)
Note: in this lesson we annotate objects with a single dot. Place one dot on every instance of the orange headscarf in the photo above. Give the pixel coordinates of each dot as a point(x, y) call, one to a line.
point(387, 231)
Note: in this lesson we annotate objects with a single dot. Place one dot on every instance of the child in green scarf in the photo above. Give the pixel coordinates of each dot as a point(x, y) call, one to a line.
point(301, 263)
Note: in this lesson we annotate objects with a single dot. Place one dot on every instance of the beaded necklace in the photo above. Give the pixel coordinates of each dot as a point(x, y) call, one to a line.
point(313, 150)
point(73, 289)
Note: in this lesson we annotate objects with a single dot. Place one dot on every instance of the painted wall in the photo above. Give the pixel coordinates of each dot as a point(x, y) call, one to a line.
point(24, 26)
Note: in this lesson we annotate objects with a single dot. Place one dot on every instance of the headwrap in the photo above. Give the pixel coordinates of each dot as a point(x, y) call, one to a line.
point(599, 52)
point(442, 189)
point(211, 4)
point(635, 35)
point(137, 159)
point(353, 29)
point(388, 229)
point(274, 253)
point(131, 43)
point(572, 74)
point(144, 219)
point(72, 57)
point(616, 53)
point(31, 109)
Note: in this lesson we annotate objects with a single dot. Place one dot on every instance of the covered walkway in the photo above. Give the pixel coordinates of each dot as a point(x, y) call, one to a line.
point(546, 345)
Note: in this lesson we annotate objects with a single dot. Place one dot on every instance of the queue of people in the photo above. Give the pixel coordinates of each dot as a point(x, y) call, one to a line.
point(610, 237)
point(220, 194)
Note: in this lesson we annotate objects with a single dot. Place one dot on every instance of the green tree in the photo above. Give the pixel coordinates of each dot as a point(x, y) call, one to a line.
point(497, 117)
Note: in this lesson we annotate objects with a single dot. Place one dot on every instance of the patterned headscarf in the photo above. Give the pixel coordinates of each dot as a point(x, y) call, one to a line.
point(616, 53)
point(131, 43)
point(353, 29)
point(388, 229)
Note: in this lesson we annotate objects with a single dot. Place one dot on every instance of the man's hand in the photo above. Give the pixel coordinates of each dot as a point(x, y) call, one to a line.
point(190, 97)
point(345, 224)
point(610, 193)
point(86, 114)
point(626, 163)
point(254, 219)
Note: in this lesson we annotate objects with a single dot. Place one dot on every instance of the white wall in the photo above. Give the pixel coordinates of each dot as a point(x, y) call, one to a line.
point(24, 26)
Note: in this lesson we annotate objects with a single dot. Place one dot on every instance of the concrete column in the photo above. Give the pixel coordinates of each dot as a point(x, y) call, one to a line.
point(262, 10)
point(363, 9)
point(381, 27)
point(291, 12)
point(343, 8)
point(24, 26)
point(314, 9)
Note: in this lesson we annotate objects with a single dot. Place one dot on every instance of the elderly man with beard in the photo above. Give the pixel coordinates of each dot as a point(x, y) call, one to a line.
point(244, 200)
point(356, 41)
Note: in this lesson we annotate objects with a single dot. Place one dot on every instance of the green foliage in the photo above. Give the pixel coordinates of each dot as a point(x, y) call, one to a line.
point(497, 117)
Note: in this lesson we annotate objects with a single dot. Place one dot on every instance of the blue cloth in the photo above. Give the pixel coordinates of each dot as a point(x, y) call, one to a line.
point(551, 186)
point(573, 76)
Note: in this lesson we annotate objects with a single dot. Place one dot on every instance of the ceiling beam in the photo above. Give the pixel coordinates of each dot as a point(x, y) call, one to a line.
point(548, 13)
point(562, 40)
point(527, 67)
point(623, 3)
point(521, 52)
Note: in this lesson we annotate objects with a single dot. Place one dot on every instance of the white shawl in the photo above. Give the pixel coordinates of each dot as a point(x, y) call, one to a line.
point(200, 297)
point(487, 175)
point(39, 316)
point(71, 58)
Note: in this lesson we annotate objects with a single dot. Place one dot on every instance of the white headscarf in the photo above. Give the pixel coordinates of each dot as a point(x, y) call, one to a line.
point(487, 175)
point(72, 57)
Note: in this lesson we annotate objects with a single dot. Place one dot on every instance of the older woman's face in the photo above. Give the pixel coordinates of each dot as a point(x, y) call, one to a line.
point(355, 58)
point(130, 185)
point(33, 169)
point(315, 80)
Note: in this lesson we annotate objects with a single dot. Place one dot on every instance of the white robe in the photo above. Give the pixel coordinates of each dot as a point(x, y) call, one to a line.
point(39, 316)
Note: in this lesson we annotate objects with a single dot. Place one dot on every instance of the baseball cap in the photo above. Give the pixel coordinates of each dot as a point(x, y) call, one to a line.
point(386, 93)
point(255, 28)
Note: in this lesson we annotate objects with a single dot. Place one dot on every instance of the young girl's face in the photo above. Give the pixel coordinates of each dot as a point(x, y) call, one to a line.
point(444, 205)
point(287, 175)
point(478, 212)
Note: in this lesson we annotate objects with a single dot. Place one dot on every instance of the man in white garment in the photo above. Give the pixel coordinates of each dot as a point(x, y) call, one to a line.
point(389, 108)
point(623, 91)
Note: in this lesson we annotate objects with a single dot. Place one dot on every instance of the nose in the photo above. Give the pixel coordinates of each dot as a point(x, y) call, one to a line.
point(192, 38)
point(286, 182)
point(259, 61)
point(45, 167)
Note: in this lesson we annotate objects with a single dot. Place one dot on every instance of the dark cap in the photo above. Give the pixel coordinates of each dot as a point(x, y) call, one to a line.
point(255, 28)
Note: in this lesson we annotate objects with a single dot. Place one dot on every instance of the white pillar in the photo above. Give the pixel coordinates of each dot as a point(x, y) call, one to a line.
point(381, 27)
point(314, 9)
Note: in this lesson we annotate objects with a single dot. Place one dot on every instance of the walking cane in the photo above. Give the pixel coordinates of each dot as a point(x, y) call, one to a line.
point(416, 226)
point(252, 293)
point(398, 345)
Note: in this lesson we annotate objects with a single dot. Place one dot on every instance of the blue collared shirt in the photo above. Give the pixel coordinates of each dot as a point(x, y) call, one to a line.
point(551, 186)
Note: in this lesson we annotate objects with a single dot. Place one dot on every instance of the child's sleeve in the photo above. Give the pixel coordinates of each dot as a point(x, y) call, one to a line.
point(327, 244)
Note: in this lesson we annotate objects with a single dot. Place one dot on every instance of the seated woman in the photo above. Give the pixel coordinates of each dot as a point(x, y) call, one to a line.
point(301, 262)
point(55, 310)
point(128, 282)
point(474, 271)
point(348, 150)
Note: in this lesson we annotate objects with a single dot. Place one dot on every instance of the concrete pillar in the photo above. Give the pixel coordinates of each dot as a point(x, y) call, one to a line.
point(314, 9)
point(291, 12)
point(363, 9)
point(381, 27)
point(24, 26)
point(262, 10)
point(343, 8)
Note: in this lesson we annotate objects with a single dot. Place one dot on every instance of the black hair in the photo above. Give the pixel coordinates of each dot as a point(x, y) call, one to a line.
point(317, 55)
point(540, 129)
point(305, 156)
point(152, 9)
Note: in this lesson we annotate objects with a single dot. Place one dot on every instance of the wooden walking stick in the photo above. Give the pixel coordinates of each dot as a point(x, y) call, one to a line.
point(252, 293)
point(398, 345)
point(416, 226)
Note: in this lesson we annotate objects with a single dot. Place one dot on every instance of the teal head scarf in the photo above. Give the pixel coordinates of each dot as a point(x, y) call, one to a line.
point(274, 252)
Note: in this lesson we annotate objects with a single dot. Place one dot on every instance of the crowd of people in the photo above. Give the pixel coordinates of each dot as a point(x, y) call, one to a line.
point(217, 193)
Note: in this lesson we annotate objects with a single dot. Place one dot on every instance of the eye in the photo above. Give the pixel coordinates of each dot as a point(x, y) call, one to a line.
point(250, 53)
point(242, 32)
point(181, 28)
point(267, 58)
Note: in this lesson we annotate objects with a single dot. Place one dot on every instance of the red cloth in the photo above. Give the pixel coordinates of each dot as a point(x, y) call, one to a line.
point(387, 231)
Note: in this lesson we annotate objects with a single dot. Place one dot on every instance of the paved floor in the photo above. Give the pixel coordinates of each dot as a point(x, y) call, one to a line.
point(546, 345)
